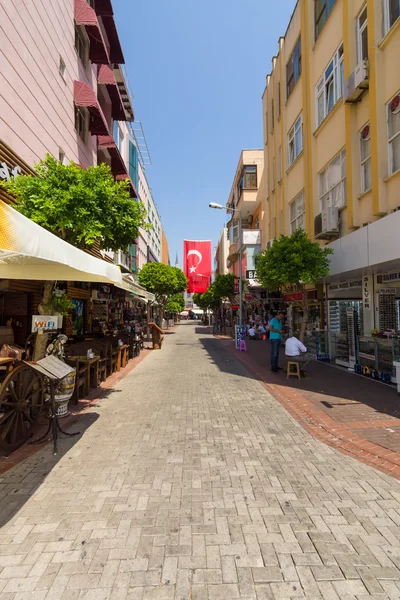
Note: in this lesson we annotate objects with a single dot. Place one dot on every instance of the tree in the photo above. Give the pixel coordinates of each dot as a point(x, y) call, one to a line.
point(81, 206)
point(163, 281)
point(175, 304)
point(290, 264)
point(224, 286)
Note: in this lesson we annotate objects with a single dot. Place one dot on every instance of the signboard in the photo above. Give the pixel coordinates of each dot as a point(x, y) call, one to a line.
point(7, 172)
point(236, 286)
point(45, 322)
point(294, 297)
point(388, 291)
point(388, 277)
point(240, 332)
point(251, 275)
point(345, 285)
point(52, 367)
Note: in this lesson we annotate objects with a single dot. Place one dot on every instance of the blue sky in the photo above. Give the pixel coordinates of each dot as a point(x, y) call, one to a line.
point(197, 71)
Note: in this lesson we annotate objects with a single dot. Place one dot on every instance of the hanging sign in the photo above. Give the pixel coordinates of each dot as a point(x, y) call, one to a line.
point(44, 322)
point(236, 286)
point(251, 275)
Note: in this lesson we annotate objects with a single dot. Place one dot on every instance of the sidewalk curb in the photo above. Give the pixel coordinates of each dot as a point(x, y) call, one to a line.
point(321, 426)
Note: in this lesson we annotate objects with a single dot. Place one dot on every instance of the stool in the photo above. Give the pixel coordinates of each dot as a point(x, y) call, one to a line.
point(293, 373)
point(242, 346)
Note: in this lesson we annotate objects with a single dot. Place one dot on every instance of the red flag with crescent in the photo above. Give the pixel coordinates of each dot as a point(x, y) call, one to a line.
point(197, 265)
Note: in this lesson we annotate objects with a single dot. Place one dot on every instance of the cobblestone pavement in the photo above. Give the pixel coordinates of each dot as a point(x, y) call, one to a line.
point(192, 482)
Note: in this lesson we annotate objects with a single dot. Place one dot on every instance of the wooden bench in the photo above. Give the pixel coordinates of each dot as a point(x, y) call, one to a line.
point(157, 335)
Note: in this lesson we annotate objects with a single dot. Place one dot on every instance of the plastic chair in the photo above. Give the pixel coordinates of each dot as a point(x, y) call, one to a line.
point(242, 346)
point(296, 372)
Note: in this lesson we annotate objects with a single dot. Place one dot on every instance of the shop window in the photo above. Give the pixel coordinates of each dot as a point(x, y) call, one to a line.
point(393, 117)
point(297, 213)
point(248, 180)
point(323, 9)
point(332, 183)
point(81, 45)
point(295, 140)
point(293, 68)
point(81, 123)
point(61, 67)
point(330, 87)
point(362, 35)
point(365, 157)
point(391, 12)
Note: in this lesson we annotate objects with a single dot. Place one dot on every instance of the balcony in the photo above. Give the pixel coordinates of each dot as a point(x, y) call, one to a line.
point(123, 260)
point(250, 237)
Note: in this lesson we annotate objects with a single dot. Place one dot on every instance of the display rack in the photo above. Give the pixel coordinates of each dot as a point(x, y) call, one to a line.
point(387, 311)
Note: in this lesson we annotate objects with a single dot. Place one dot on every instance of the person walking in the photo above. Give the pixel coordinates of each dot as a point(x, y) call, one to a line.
point(295, 348)
point(275, 336)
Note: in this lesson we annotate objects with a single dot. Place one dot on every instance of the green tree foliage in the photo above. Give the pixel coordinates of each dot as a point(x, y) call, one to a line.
point(175, 304)
point(292, 262)
point(220, 289)
point(82, 206)
point(162, 280)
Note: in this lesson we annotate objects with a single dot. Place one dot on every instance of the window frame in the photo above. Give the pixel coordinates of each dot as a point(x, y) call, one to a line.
point(342, 182)
point(391, 138)
point(293, 225)
point(365, 161)
point(81, 45)
point(327, 7)
point(333, 75)
point(82, 116)
point(387, 26)
point(360, 30)
point(291, 136)
point(293, 74)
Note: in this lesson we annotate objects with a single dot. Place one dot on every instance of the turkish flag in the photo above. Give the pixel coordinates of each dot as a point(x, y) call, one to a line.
point(197, 265)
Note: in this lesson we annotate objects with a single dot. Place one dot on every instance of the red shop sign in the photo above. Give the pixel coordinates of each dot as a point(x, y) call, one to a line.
point(294, 297)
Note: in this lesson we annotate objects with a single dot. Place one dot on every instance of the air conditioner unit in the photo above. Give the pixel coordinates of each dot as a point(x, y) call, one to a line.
point(326, 224)
point(357, 83)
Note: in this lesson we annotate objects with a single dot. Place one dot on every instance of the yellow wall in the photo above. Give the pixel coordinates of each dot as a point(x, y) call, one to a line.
point(164, 249)
point(341, 128)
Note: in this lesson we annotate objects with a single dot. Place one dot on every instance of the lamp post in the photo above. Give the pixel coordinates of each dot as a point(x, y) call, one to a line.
point(233, 211)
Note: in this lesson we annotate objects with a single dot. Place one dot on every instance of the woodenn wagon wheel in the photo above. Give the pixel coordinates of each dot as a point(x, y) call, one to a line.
point(21, 401)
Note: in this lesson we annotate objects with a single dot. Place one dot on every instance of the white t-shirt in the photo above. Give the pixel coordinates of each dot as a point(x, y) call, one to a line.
point(252, 332)
point(261, 329)
point(294, 347)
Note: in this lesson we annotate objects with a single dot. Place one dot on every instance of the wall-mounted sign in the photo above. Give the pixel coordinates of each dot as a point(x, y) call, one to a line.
point(294, 297)
point(388, 277)
point(251, 274)
point(45, 322)
point(388, 291)
point(7, 172)
point(345, 285)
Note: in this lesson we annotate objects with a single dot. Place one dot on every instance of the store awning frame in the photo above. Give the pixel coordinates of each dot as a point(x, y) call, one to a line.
point(86, 17)
point(106, 77)
point(85, 97)
point(105, 10)
point(118, 166)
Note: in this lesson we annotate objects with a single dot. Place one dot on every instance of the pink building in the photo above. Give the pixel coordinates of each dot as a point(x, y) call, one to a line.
point(61, 85)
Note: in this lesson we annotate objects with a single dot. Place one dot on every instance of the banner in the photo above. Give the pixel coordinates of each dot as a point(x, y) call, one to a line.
point(197, 265)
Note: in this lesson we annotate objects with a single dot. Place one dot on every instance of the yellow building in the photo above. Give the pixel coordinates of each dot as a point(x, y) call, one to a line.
point(164, 248)
point(331, 112)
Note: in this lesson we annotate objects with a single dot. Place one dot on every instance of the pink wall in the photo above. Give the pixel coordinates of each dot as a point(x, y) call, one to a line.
point(36, 102)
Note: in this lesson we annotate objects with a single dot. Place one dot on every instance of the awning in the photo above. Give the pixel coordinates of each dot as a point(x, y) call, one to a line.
point(105, 10)
point(86, 16)
point(137, 290)
point(106, 77)
point(28, 251)
point(85, 97)
point(118, 167)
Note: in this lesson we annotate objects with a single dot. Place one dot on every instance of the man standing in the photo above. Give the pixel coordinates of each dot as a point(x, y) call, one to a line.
point(276, 331)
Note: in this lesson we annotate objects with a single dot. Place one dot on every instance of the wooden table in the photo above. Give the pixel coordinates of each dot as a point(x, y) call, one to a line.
point(122, 356)
point(93, 369)
point(7, 362)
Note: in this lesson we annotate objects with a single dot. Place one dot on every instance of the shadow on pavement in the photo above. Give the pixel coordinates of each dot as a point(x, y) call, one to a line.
point(21, 482)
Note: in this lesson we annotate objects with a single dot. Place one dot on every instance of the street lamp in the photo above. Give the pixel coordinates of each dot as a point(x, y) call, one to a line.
point(233, 211)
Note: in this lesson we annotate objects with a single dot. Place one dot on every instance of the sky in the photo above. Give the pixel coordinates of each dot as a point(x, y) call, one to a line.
point(197, 70)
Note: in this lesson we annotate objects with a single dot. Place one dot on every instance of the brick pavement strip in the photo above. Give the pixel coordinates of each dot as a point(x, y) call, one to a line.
point(191, 482)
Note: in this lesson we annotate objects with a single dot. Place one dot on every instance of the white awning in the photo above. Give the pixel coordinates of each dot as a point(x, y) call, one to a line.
point(137, 290)
point(27, 251)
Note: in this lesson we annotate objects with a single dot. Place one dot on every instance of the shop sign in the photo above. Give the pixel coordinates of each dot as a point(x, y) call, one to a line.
point(294, 297)
point(240, 331)
point(44, 322)
point(345, 285)
point(366, 292)
point(388, 291)
point(236, 286)
point(7, 172)
point(388, 277)
point(251, 274)
point(249, 297)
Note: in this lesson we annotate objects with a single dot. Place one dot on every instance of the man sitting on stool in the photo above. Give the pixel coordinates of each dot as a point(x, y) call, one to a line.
point(294, 349)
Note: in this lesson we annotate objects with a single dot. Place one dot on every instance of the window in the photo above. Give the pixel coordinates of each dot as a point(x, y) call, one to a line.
point(279, 99)
point(61, 156)
point(391, 12)
point(293, 68)
point(61, 67)
point(332, 183)
point(81, 45)
point(272, 116)
point(365, 158)
point(279, 163)
point(297, 213)
point(234, 232)
point(362, 35)
point(330, 87)
point(394, 134)
point(295, 140)
point(323, 9)
point(273, 174)
point(257, 223)
point(81, 122)
point(248, 180)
